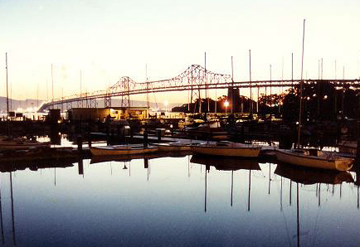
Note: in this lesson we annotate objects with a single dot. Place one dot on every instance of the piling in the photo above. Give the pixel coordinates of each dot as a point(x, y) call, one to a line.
point(358, 152)
point(112, 136)
point(145, 136)
point(146, 163)
point(107, 136)
point(80, 142)
point(145, 139)
point(159, 134)
point(131, 135)
point(80, 166)
point(119, 134)
point(89, 140)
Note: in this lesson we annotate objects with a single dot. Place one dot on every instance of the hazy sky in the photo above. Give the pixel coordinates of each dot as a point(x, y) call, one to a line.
point(113, 38)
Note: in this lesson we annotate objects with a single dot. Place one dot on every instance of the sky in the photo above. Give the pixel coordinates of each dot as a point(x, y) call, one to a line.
point(108, 39)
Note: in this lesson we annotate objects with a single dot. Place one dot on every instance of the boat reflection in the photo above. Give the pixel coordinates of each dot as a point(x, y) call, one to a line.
point(34, 165)
point(101, 159)
point(309, 176)
point(226, 163)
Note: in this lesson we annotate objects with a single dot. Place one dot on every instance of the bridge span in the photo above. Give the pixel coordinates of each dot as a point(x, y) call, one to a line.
point(194, 79)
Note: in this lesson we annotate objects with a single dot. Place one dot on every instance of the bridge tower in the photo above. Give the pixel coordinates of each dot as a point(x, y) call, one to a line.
point(125, 98)
point(196, 78)
point(121, 88)
point(107, 99)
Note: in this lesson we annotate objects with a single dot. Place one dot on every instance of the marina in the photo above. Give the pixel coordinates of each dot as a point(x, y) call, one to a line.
point(179, 123)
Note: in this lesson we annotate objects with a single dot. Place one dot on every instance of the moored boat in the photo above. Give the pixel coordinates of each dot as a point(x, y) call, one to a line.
point(314, 158)
point(173, 146)
point(230, 149)
point(20, 144)
point(123, 150)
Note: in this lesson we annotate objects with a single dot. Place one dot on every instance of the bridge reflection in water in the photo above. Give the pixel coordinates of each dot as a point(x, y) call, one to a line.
point(177, 201)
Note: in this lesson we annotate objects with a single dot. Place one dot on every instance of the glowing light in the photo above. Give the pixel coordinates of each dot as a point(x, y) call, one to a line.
point(226, 104)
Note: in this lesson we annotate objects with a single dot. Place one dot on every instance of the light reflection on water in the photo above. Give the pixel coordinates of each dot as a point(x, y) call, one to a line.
point(175, 202)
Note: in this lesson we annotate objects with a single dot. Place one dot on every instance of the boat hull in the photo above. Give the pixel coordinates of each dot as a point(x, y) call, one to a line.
point(341, 164)
point(103, 151)
point(26, 145)
point(168, 147)
point(249, 152)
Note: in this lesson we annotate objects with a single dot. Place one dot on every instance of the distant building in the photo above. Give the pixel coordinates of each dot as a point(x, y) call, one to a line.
point(115, 113)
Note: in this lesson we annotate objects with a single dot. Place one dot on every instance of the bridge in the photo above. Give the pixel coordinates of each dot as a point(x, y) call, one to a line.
point(194, 79)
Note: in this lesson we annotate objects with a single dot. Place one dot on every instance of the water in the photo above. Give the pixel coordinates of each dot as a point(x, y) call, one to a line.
point(175, 202)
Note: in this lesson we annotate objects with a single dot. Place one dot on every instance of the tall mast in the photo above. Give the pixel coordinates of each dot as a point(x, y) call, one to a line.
point(206, 86)
point(37, 95)
point(292, 70)
point(52, 83)
point(147, 88)
point(81, 101)
point(232, 86)
point(7, 85)
point(301, 85)
point(251, 105)
point(80, 82)
point(270, 69)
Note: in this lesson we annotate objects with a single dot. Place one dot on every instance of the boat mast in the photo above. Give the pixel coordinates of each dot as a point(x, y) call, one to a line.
point(301, 85)
point(7, 85)
point(232, 86)
point(251, 105)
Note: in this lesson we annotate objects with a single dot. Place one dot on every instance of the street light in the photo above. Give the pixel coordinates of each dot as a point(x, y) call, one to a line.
point(226, 104)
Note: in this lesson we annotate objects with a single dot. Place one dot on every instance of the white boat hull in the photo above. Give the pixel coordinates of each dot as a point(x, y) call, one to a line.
point(113, 150)
point(340, 164)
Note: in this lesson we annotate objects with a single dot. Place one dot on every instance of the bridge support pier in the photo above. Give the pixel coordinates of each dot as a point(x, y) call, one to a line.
point(107, 101)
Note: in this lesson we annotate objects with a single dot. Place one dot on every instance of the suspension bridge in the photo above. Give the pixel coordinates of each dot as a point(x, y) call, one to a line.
point(194, 79)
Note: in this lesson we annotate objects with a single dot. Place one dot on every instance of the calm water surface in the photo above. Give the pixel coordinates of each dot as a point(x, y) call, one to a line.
point(177, 202)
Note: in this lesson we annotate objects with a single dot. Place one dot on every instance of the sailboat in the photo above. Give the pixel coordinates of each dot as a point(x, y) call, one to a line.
point(123, 150)
point(306, 157)
point(21, 143)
